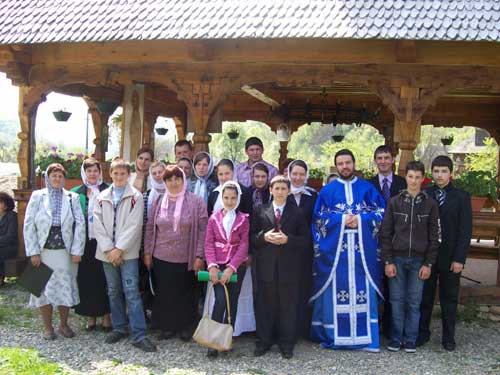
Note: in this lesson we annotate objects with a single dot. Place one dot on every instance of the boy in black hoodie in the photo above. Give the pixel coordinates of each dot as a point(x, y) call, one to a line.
point(409, 242)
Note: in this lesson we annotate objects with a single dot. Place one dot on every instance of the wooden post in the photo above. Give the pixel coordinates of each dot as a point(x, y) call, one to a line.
point(101, 129)
point(283, 153)
point(29, 99)
point(180, 127)
point(148, 129)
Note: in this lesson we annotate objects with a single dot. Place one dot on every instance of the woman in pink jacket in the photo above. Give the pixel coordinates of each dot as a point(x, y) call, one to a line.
point(226, 250)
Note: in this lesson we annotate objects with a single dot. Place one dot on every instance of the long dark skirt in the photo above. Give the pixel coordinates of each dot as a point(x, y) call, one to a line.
point(175, 305)
point(91, 284)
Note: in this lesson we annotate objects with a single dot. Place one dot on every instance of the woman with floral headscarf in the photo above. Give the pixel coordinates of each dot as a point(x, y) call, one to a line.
point(54, 233)
point(203, 168)
point(173, 247)
point(305, 198)
point(91, 279)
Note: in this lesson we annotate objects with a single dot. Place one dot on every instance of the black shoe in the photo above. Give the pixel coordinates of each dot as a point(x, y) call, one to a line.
point(260, 351)
point(166, 335)
point(212, 353)
point(287, 354)
point(449, 346)
point(145, 345)
point(185, 335)
point(114, 337)
point(422, 341)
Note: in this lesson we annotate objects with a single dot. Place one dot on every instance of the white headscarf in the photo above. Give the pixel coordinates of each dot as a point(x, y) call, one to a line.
point(218, 203)
point(92, 200)
point(200, 188)
point(230, 214)
point(298, 190)
point(155, 187)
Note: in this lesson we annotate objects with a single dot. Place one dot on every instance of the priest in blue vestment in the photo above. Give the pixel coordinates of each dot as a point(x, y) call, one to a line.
point(347, 269)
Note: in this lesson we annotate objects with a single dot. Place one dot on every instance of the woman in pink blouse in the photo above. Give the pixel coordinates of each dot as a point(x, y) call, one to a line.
point(173, 248)
point(226, 250)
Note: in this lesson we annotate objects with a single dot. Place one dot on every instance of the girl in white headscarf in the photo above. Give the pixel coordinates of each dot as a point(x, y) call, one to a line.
point(91, 279)
point(157, 184)
point(203, 168)
point(226, 251)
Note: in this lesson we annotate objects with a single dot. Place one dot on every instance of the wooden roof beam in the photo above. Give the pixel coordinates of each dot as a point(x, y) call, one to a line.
point(259, 95)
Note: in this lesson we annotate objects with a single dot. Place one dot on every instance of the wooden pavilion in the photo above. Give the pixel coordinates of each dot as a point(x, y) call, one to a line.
point(203, 62)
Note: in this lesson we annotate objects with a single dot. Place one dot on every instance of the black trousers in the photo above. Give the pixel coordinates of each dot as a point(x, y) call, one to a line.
point(277, 308)
point(174, 307)
point(449, 288)
point(220, 305)
point(387, 314)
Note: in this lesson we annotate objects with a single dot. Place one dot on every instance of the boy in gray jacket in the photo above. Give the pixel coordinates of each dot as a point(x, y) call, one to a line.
point(409, 240)
point(118, 227)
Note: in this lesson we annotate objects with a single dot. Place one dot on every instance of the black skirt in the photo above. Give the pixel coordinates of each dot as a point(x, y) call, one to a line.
point(91, 284)
point(175, 305)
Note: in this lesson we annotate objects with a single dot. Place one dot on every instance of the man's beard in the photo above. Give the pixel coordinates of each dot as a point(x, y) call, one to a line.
point(346, 177)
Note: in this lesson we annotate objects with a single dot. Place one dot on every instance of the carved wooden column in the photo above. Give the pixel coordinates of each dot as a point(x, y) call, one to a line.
point(408, 104)
point(283, 153)
point(101, 130)
point(29, 99)
point(202, 99)
point(148, 129)
point(180, 127)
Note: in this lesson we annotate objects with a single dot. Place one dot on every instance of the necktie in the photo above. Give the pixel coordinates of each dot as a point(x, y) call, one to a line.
point(440, 196)
point(386, 192)
point(278, 219)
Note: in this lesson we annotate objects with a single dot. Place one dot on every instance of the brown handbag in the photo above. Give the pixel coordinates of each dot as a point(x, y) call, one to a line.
point(212, 334)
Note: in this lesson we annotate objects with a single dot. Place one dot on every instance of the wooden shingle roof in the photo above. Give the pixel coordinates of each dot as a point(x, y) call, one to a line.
point(43, 21)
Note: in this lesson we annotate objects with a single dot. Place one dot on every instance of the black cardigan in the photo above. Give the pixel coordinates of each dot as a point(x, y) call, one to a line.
point(8, 236)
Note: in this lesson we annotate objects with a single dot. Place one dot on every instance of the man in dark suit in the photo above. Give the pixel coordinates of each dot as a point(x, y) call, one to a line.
point(389, 185)
point(278, 234)
point(456, 231)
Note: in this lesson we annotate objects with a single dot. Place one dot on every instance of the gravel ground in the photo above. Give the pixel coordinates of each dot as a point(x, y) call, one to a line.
point(478, 352)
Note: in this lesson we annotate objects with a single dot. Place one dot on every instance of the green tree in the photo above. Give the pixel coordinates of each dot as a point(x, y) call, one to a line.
point(486, 160)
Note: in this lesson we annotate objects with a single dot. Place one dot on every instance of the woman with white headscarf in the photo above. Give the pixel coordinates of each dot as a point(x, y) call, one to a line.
point(305, 198)
point(173, 248)
point(226, 251)
point(203, 168)
point(225, 172)
point(54, 233)
point(94, 300)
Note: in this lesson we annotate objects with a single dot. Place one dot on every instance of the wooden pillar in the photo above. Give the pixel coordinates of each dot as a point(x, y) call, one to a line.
point(203, 99)
point(408, 104)
point(101, 129)
point(148, 129)
point(180, 127)
point(283, 153)
point(29, 99)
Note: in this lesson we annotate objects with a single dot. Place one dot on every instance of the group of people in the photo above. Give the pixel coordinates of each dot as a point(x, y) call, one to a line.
point(308, 265)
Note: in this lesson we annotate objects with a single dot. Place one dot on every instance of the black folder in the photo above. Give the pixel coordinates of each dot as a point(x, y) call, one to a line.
point(34, 279)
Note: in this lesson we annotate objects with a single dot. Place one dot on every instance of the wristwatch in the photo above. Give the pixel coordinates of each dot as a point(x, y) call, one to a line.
point(429, 265)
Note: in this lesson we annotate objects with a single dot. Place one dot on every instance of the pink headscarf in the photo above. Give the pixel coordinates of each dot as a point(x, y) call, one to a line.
point(178, 202)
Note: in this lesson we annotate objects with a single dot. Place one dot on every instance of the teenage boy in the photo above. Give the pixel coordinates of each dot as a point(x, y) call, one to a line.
point(118, 225)
point(278, 234)
point(409, 239)
point(139, 179)
point(254, 150)
point(389, 185)
point(183, 149)
point(456, 230)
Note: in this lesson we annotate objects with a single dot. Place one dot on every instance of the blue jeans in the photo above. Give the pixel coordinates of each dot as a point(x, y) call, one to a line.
point(405, 291)
point(123, 286)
